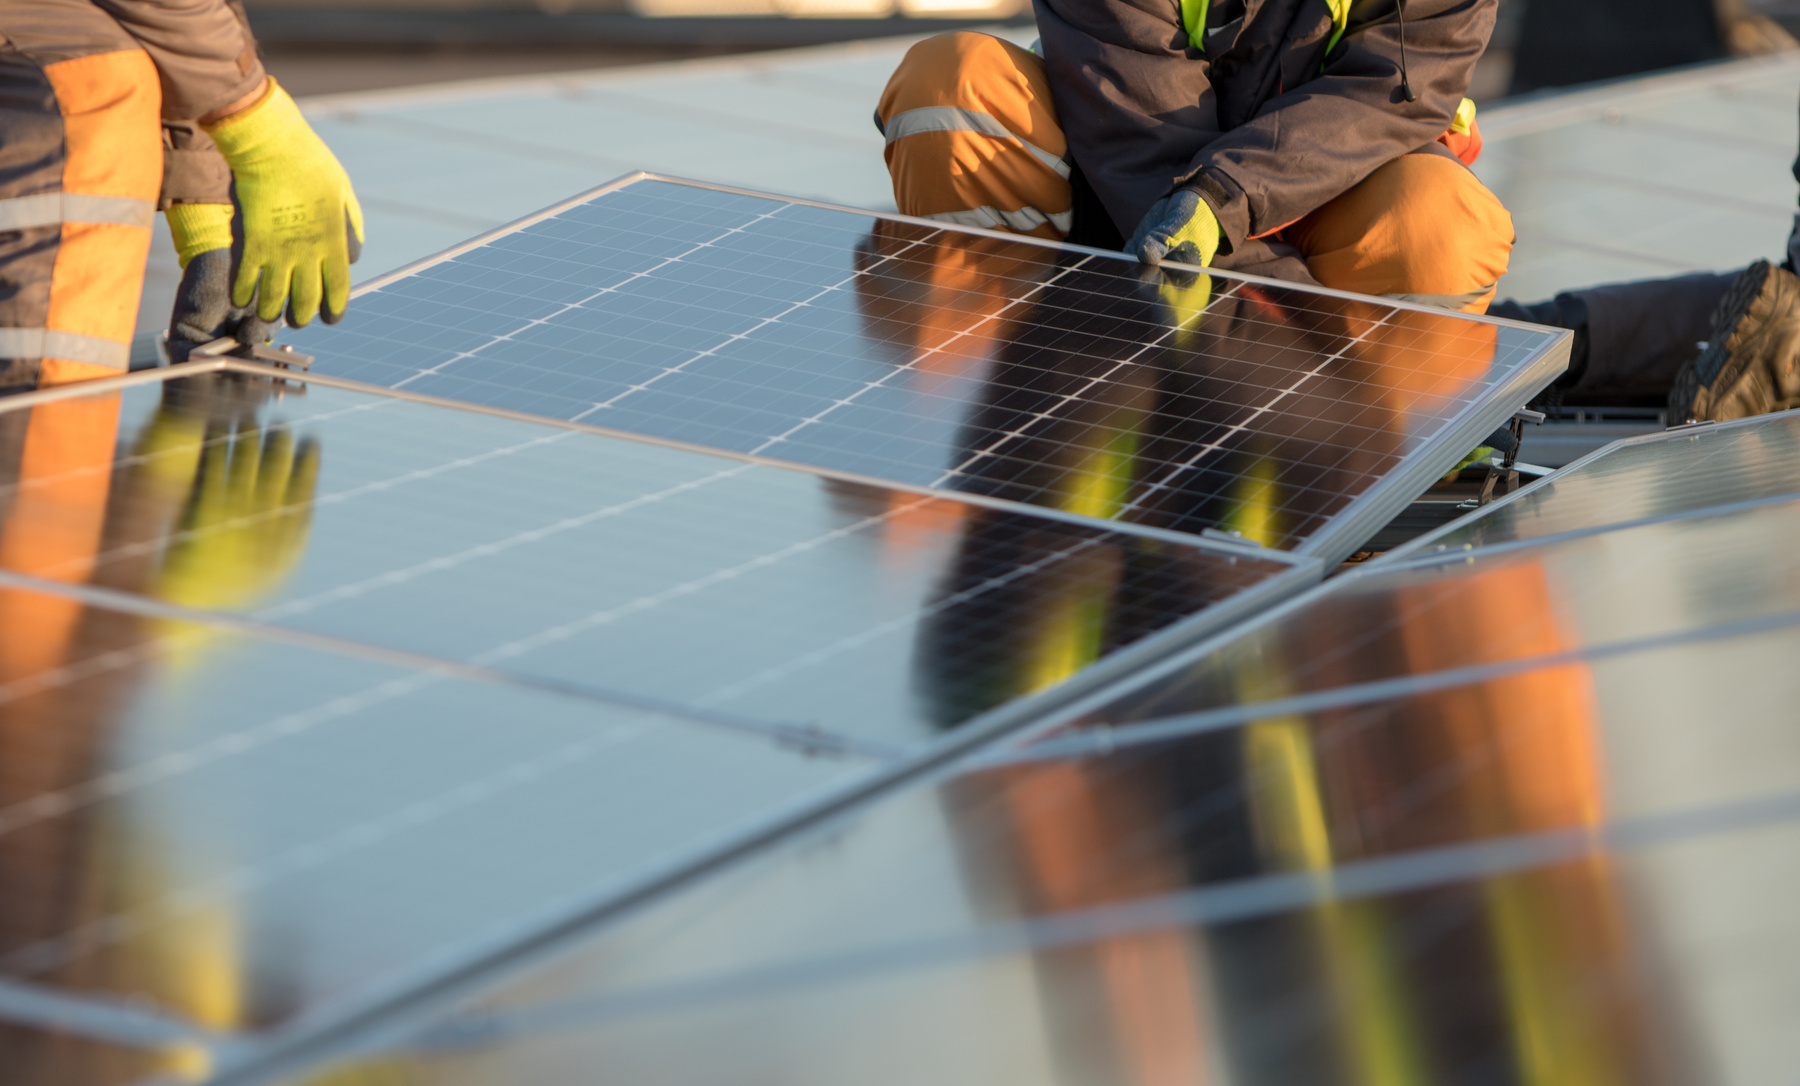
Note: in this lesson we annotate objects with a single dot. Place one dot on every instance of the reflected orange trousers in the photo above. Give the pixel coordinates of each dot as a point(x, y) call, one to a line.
point(1420, 228)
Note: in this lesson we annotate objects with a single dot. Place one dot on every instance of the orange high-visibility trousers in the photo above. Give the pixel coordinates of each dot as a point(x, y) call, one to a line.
point(972, 138)
point(79, 176)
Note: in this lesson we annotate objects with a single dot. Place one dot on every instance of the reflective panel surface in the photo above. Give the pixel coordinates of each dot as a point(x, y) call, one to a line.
point(940, 358)
point(233, 831)
point(754, 598)
point(1666, 475)
point(52, 1057)
point(1577, 873)
point(1584, 595)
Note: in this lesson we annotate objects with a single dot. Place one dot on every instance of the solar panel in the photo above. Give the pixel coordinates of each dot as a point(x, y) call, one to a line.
point(43, 1057)
point(1481, 611)
point(336, 691)
point(1689, 470)
point(1486, 877)
point(939, 357)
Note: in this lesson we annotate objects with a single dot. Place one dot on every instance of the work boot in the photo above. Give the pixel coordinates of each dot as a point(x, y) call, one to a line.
point(1751, 363)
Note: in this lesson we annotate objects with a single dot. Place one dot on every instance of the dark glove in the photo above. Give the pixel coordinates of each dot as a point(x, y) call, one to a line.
point(203, 310)
point(1177, 227)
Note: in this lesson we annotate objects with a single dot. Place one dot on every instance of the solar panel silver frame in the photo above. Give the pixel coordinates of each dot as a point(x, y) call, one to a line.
point(1345, 532)
point(334, 1031)
point(1427, 546)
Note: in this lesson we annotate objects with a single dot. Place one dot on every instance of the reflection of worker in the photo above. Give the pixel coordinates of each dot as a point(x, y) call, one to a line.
point(83, 86)
point(1108, 398)
point(1311, 142)
point(1526, 976)
point(208, 510)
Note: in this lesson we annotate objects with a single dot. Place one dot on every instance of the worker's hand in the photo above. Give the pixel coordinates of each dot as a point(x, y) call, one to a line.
point(302, 225)
point(203, 310)
point(1177, 227)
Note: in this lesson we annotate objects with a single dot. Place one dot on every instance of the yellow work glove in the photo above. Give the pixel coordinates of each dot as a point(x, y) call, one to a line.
point(198, 228)
point(1177, 227)
point(1480, 456)
point(301, 221)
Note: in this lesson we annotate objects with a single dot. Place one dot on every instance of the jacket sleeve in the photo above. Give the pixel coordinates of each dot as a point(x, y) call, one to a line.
point(1314, 141)
point(203, 50)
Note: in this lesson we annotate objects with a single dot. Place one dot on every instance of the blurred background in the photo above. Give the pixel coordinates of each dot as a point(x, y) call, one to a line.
point(1629, 138)
point(329, 46)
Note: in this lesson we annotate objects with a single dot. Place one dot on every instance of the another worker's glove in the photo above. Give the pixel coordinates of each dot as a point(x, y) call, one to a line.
point(1177, 227)
point(203, 310)
point(302, 225)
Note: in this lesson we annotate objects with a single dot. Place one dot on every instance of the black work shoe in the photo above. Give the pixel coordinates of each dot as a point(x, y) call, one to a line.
point(1751, 365)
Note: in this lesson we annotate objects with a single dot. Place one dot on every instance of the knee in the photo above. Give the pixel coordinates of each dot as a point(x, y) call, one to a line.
point(1422, 224)
point(960, 67)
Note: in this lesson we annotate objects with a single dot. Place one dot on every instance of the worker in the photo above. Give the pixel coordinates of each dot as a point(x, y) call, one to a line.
point(1710, 346)
point(84, 162)
point(1325, 143)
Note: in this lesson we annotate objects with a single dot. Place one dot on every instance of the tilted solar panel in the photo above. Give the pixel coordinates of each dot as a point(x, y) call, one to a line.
point(385, 688)
point(1299, 419)
point(1686, 471)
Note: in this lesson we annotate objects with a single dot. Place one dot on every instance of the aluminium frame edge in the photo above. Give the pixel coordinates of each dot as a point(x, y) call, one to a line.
point(638, 176)
point(1366, 514)
point(351, 1031)
point(1409, 550)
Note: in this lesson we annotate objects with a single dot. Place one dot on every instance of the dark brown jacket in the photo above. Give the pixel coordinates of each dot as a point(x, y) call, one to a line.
point(1270, 127)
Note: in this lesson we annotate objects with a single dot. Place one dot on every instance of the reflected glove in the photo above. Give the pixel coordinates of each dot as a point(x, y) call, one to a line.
point(302, 225)
point(1177, 227)
point(203, 311)
point(247, 516)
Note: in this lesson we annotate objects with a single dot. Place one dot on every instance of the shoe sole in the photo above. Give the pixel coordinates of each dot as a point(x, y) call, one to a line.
point(1706, 371)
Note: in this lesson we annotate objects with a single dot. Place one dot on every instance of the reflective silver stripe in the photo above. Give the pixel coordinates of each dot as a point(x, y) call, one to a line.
point(49, 343)
point(957, 119)
point(53, 208)
point(1446, 301)
point(1023, 220)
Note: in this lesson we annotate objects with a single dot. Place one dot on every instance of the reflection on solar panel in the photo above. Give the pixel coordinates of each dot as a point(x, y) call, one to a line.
point(1683, 471)
point(673, 523)
point(936, 357)
point(1491, 816)
point(338, 692)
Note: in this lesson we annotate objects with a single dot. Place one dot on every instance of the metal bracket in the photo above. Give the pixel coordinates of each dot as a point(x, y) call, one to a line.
point(284, 357)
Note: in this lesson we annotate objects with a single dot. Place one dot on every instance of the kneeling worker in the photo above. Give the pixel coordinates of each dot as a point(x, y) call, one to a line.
point(1318, 141)
point(111, 108)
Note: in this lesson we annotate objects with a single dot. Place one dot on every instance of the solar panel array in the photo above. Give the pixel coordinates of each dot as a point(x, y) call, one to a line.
point(607, 550)
point(925, 356)
point(1453, 817)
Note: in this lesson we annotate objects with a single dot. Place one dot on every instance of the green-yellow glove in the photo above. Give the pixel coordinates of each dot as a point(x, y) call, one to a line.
point(300, 217)
point(1177, 227)
point(198, 228)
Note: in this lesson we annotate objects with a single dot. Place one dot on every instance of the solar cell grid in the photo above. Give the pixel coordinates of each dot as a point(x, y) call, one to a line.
point(783, 600)
point(963, 361)
point(403, 684)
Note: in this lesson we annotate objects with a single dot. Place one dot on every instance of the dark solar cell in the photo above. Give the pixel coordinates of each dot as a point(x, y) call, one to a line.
point(961, 361)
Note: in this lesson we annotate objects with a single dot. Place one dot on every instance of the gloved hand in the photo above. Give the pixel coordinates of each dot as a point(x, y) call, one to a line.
point(1177, 227)
point(203, 310)
point(302, 225)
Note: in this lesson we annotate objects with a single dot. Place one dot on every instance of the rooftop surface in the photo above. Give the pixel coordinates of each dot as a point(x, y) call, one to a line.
point(1678, 172)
